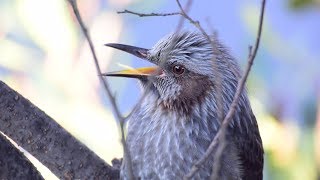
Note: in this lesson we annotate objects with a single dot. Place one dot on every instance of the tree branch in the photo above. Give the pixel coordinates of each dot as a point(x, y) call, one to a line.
point(13, 164)
point(47, 141)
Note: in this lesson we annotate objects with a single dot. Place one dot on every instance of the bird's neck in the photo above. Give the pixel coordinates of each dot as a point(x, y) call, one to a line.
point(188, 115)
point(204, 111)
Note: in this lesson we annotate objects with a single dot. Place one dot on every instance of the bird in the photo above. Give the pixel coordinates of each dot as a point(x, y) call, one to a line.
point(178, 117)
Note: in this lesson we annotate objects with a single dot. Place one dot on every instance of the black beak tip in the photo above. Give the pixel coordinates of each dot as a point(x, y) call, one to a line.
point(139, 52)
point(111, 45)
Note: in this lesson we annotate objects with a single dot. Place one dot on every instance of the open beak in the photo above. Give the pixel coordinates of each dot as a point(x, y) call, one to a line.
point(133, 73)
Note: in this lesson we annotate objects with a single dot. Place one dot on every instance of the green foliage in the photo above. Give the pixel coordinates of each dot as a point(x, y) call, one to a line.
point(298, 4)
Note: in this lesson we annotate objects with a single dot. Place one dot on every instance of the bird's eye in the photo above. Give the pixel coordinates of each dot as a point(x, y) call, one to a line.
point(178, 69)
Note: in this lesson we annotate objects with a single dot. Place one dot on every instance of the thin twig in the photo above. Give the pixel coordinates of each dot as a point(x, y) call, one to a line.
point(147, 14)
point(210, 26)
point(112, 99)
point(195, 23)
point(186, 10)
point(228, 118)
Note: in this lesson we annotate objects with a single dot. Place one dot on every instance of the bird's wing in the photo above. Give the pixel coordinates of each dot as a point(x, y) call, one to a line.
point(249, 145)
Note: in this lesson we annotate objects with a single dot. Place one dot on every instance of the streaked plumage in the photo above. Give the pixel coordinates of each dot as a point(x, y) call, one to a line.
point(178, 118)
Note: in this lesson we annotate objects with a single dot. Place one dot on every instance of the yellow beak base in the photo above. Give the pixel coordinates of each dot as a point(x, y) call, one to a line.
point(135, 73)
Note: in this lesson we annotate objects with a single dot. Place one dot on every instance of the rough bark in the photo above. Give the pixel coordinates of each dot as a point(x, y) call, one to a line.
point(46, 140)
point(13, 164)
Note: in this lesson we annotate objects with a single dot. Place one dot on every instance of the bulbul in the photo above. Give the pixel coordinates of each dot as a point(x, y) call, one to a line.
point(179, 116)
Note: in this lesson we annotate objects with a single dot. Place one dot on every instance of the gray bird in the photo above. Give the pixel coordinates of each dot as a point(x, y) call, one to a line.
point(178, 118)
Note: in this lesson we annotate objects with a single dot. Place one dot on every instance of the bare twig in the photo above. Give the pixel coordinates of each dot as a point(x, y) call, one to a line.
point(147, 14)
point(228, 118)
point(210, 26)
point(112, 99)
point(186, 10)
point(195, 23)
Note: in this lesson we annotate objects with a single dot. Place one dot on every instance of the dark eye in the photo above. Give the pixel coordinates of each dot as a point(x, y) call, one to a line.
point(178, 69)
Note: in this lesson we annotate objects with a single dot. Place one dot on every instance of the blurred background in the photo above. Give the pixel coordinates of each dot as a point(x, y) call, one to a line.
point(44, 56)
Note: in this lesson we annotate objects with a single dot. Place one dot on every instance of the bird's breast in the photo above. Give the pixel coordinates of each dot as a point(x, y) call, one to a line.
point(164, 144)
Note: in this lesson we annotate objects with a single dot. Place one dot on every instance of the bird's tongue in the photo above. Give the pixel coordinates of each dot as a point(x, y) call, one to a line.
point(144, 71)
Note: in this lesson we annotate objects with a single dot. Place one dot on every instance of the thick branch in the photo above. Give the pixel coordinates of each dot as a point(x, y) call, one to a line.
point(47, 141)
point(13, 164)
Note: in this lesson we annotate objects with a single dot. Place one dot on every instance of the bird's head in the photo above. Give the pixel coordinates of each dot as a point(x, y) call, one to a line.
point(184, 71)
